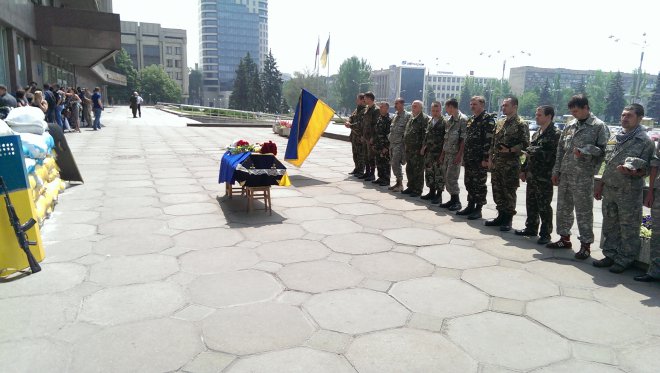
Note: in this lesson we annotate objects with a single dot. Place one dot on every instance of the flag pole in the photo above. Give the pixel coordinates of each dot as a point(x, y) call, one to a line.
point(327, 77)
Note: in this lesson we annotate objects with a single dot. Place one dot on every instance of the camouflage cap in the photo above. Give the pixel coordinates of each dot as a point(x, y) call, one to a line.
point(633, 163)
point(590, 150)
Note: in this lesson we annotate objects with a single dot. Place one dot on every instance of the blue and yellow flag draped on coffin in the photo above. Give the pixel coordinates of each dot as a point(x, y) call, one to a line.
point(311, 119)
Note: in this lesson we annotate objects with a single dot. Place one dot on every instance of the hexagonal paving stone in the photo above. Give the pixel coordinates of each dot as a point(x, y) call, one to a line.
point(358, 243)
point(66, 232)
point(233, 288)
point(510, 283)
point(191, 209)
point(401, 204)
point(331, 226)
point(408, 350)
point(109, 214)
point(507, 340)
point(514, 250)
point(320, 190)
point(34, 355)
point(33, 317)
point(416, 236)
point(578, 366)
point(256, 328)
point(358, 209)
point(132, 227)
point(335, 199)
point(320, 276)
point(133, 244)
point(67, 251)
point(294, 202)
point(565, 273)
point(456, 256)
point(392, 266)
point(200, 221)
point(641, 358)
point(310, 213)
point(53, 278)
point(208, 238)
point(295, 360)
point(473, 230)
point(442, 297)
point(131, 303)
point(639, 302)
point(275, 232)
point(293, 251)
point(133, 269)
point(224, 259)
point(589, 321)
point(173, 199)
point(356, 311)
point(139, 347)
point(383, 221)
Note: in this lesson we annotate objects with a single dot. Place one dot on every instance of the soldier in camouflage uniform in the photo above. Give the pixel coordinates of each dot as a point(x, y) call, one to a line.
point(433, 140)
point(621, 189)
point(452, 153)
point(510, 139)
point(536, 172)
point(355, 124)
point(580, 153)
point(413, 138)
point(652, 201)
point(397, 148)
point(381, 145)
point(478, 139)
point(369, 119)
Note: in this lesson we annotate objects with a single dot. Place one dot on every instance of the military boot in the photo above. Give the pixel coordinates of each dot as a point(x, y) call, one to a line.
point(438, 198)
point(455, 203)
point(497, 221)
point(506, 223)
point(429, 195)
point(466, 211)
point(353, 172)
point(585, 252)
point(398, 187)
point(476, 214)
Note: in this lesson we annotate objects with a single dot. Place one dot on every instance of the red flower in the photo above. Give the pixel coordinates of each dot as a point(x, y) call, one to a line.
point(242, 143)
point(269, 148)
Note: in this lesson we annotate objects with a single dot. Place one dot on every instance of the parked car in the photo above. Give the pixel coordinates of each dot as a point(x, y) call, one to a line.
point(533, 126)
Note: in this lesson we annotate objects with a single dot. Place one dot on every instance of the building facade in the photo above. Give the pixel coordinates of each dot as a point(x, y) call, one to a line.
point(150, 44)
point(406, 81)
point(65, 42)
point(229, 30)
point(527, 78)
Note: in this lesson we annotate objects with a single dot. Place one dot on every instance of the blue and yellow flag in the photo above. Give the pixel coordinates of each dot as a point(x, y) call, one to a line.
point(311, 119)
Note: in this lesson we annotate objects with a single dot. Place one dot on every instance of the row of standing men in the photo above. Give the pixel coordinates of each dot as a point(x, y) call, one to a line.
point(434, 148)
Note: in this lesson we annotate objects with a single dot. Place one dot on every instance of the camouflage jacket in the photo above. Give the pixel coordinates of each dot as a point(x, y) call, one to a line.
point(398, 128)
point(382, 132)
point(542, 152)
point(455, 131)
point(434, 137)
point(369, 119)
point(356, 120)
point(479, 137)
point(592, 132)
point(655, 162)
point(413, 137)
point(511, 133)
point(639, 146)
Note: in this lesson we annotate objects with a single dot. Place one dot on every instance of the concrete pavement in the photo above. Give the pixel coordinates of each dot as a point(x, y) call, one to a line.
point(147, 271)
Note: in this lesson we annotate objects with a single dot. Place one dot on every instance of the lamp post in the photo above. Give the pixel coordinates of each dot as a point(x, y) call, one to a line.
point(504, 56)
point(637, 84)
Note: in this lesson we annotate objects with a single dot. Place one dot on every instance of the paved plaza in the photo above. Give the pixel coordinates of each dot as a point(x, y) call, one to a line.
point(150, 269)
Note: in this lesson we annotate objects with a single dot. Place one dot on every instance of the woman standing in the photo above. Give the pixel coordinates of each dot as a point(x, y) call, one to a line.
point(38, 101)
point(73, 103)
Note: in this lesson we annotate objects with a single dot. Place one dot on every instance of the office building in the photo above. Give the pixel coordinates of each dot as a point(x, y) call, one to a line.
point(406, 81)
point(67, 42)
point(446, 85)
point(150, 44)
point(229, 30)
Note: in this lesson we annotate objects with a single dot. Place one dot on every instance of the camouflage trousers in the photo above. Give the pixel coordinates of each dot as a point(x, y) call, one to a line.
point(397, 159)
point(576, 192)
point(475, 179)
point(358, 151)
point(383, 164)
point(369, 155)
point(654, 268)
point(415, 170)
point(433, 172)
point(539, 204)
point(622, 217)
point(450, 173)
point(505, 183)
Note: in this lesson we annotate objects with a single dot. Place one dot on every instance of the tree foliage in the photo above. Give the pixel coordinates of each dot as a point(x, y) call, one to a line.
point(271, 85)
point(317, 85)
point(527, 103)
point(125, 66)
point(158, 85)
point(354, 77)
point(240, 95)
point(545, 96)
point(195, 87)
point(653, 106)
point(614, 102)
point(596, 90)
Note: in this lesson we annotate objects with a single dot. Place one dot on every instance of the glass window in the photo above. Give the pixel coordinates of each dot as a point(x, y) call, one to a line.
point(151, 55)
point(21, 62)
point(168, 50)
point(4, 62)
point(169, 63)
point(177, 63)
point(178, 51)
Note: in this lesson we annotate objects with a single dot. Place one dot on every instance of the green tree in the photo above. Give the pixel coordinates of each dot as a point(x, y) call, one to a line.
point(527, 104)
point(313, 83)
point(195, 87)
point(615, 100)
point(272, 85)
point(125, 66)
point(545, 97)
point(255, 92)
point(653, 106)
point(596, 90)
point(158, 85)
point(284, 106)
point(354, 77)
point(466, 95)
point(582, 87)
point(244, 84)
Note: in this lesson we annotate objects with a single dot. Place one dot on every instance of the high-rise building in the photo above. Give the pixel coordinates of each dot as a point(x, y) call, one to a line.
point(65, 42)
point(229, 30)
point(150, 44)
point(405, 81)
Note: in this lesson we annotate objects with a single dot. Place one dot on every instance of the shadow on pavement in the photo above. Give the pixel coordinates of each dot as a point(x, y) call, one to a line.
point(237, 216)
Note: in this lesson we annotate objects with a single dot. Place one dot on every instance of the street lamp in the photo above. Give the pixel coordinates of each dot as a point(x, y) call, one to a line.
point(638, 77)
point(504, 56)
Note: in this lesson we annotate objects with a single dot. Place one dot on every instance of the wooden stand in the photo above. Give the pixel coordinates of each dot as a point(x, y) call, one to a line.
point(230, 190)
point(262, 193)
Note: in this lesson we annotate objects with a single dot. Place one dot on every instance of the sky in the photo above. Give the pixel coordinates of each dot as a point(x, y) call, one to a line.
point(453, 37)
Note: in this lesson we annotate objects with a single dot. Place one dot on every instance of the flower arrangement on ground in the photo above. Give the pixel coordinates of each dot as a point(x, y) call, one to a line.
point(647, 223)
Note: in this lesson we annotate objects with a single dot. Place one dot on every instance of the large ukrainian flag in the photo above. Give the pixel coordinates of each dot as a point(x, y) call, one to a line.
point(311, 119)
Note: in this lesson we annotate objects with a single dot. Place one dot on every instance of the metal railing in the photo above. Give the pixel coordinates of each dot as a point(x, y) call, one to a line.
point(216, 112)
